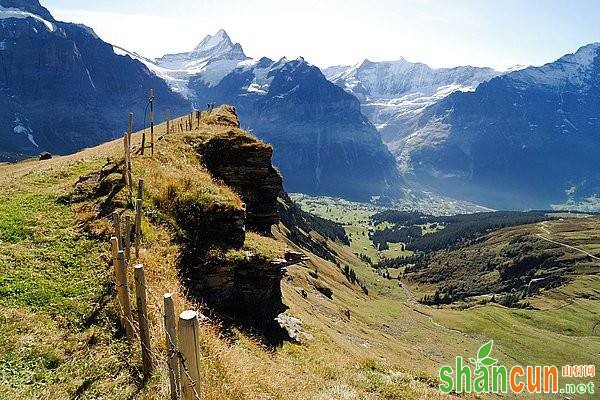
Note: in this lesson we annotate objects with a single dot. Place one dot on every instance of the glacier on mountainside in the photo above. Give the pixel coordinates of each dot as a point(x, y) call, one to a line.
point(393, 94)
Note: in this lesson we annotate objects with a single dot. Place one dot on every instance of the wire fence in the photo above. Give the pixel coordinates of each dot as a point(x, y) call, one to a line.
point(181, 335)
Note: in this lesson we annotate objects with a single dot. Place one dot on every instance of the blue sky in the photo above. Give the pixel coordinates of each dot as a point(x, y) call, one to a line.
point(499, 33)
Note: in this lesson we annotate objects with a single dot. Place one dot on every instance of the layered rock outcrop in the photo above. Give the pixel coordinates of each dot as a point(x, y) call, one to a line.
point(216, 267)
point(244, 164)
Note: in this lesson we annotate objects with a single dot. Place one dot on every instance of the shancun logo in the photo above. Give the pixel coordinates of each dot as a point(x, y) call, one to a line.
point(485, 375)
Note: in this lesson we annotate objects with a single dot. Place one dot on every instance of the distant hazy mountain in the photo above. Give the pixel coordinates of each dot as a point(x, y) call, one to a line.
point(525, 139)
point(393, 94)
point(62, 88)
point(322, 142)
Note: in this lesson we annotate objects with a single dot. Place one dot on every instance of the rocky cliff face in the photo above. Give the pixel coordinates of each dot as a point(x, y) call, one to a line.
point(244, 164)
point(217, 265)
point(62, 88)
point(222, 264)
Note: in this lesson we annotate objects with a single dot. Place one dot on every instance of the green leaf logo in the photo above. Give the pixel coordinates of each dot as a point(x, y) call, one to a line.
point(485, 350)
point(489, 361)
point(483, 358)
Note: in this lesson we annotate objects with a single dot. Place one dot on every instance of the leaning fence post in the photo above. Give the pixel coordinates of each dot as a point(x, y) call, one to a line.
point(171, 338)
point(142, 312)
point(190, 353)
point(122, 288)
point(127, 237)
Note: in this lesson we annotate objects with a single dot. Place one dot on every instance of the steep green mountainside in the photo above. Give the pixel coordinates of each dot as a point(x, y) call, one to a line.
point(512, 265)
point(532, 286)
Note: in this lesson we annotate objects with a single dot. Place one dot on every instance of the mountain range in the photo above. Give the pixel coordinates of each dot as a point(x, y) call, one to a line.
point(526, 139)
point(393, 94)
point(322, 142)
point(62, 88)
point(523, 138)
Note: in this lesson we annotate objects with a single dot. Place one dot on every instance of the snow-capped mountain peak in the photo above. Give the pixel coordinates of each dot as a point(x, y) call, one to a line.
point(212, 48)
point(393, 94)
point(571, 68)
point(213, 58)
point(218, 45)
point(390, 79)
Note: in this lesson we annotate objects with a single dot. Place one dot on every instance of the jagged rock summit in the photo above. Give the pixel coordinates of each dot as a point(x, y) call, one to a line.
point(212, 48)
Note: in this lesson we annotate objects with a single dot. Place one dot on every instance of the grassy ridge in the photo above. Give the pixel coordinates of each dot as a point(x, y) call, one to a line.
point(57, 331)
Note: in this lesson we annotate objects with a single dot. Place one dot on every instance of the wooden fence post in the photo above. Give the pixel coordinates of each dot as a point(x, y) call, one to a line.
point(114, 246)
point(138, 226)
point(125, 161)
point(129, 133)
point(123, 295)
point(190, 352)
point(130, 127)
point(171, 338)
point(142, 312)
point(120, 274)
point(152, 121)
point(127, 237)
point(168, 120)
point(140, 189)
point(116, 220)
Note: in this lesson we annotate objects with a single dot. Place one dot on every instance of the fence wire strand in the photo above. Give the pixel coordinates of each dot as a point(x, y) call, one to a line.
point(172, 351)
